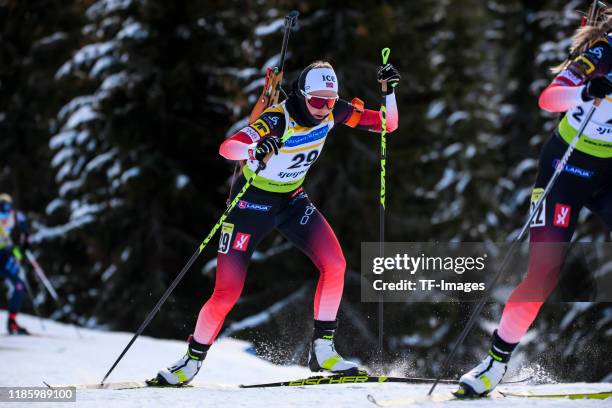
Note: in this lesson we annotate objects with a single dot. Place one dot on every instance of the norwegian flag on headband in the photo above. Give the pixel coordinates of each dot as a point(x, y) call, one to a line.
point(321, 79)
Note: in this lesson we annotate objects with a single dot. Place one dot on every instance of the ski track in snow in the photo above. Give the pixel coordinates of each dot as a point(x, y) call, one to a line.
point(59, 356)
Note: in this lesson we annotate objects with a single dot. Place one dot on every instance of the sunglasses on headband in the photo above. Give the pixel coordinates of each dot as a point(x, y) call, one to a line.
point(318, 102)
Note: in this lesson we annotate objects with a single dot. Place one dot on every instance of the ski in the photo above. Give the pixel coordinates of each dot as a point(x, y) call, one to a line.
point(584, 395)
point(125, 385)
point(132, 385)
point(360, 378)
point(30, 334)
point(346, 379)
point(448, 396)
point(436, 397)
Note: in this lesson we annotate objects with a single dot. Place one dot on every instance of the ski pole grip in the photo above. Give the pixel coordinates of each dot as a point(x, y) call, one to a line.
point(291, 18)
point(385, 55)
point(264, 162)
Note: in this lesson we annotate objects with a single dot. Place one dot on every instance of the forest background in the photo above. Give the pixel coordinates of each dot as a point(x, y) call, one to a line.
point(112, 111)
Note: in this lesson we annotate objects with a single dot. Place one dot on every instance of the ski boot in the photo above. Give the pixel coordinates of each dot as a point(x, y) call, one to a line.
point(183, 371)
point(483, 378)
point(323, 355)
point(14, 328)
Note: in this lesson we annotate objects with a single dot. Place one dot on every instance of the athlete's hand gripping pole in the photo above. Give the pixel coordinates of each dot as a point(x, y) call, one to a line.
point(491, 284)
point(193, 258)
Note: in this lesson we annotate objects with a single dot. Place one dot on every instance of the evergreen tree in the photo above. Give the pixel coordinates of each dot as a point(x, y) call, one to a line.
point(112, 111)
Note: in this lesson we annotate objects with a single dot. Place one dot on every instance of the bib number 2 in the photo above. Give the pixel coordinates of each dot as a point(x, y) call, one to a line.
point(539, 220)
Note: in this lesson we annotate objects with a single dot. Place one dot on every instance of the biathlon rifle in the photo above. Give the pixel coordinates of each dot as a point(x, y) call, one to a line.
point(274, 76)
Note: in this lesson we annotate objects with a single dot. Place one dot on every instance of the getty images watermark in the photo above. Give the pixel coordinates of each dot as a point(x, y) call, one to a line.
point(422, 263)
point(459, 272)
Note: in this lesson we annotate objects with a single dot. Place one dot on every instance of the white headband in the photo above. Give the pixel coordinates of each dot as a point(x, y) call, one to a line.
point(321, 79)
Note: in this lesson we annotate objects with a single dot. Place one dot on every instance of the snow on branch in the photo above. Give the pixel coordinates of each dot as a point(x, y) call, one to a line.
point(83, 115)
point(100, 159)
point(86, 55)
point(133, 31)
point(270, 28)
point(105, 7)
point(74, 104)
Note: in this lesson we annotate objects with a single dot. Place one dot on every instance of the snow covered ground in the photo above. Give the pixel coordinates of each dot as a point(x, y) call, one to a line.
point(59, 356)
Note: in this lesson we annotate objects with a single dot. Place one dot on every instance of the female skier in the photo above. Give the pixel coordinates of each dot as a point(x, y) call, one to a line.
point(12, 223)
point(277, 200)
point(586, 181)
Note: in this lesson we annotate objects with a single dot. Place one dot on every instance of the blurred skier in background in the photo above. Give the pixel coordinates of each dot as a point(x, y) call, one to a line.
point(586, 181)
point(13, 229)
point(277, 201)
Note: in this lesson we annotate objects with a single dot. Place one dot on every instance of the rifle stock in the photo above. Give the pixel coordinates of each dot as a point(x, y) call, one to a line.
point(274, 76)
point(269, 95)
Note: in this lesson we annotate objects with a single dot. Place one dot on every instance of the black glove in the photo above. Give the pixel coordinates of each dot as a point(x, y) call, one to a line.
point(267, 145)
point(598, 87)
point(390, 74)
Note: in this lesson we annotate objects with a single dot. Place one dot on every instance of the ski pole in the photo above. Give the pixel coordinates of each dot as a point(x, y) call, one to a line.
point(41, 275)
point(490, 285)
point(175, 282)
point(28, 288)
point(383, 161)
